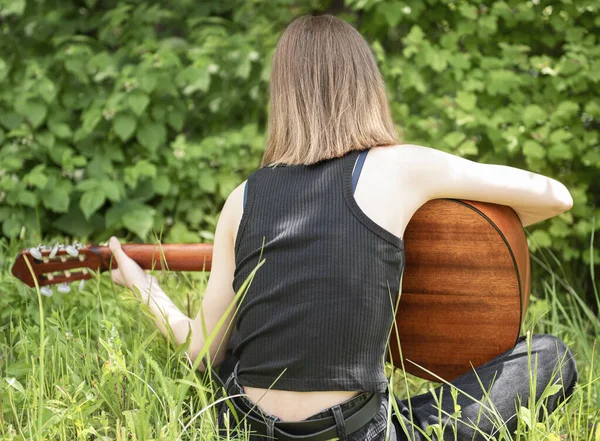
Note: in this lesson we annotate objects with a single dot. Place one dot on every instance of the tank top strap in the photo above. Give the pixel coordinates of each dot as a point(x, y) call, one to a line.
point(358, 165)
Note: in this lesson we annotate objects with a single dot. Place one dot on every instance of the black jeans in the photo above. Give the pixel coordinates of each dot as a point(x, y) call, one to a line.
point(477, 410)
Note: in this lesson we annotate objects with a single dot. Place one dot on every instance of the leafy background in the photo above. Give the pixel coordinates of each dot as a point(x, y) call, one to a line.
point(127, 116)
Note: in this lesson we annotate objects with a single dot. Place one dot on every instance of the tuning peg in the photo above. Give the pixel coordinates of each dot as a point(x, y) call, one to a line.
point(72, 251)
point(64, 288)
point(46, 290)
point(35, 253)
point(52, 254)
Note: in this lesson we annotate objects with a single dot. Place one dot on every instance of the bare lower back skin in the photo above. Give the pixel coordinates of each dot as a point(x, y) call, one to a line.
point(295, 406)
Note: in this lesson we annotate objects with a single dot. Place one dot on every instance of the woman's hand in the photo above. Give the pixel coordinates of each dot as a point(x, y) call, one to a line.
point(128, 273)
point(166, 313)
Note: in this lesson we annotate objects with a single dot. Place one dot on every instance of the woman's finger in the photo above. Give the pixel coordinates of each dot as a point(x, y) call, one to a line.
point(128, 273)
point(115, 247)
point(117, 277)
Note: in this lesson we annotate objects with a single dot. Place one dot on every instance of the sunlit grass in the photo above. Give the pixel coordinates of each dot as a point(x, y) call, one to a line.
point(90, 365)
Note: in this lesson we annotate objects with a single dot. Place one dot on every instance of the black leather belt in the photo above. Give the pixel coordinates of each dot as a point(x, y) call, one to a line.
point(322, 429)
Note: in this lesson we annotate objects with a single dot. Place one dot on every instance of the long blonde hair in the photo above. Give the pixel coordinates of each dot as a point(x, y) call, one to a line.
point(327, 94)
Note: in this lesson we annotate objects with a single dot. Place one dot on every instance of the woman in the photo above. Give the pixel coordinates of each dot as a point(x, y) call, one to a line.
point(313, 324)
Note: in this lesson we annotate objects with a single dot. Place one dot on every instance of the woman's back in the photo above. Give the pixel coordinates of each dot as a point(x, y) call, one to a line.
point(318, 313)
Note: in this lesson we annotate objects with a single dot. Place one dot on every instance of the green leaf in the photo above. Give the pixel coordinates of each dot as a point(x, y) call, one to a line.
point(60, 130)
point(90, 120)
point(26, 198)
point(559, 227)
point(124, 125)
point(467, 148)
point(591, 159)
point(112, 190)
point(534, 150)
point(453, 139)
point(488, 25)
point(564, 112)
point(91, 201)
point(539, 239)
point(11, 227)
point(466, 100)
point(550, 390)
point(525, 415)
point(534, 114)
point(37, 176)
point(415, 36)
point(435, 58)
point(45, 139)
point(207, 181)
point(35, 112)
point(391, 12)
point(161, 185)
point(468, 11)
point(502, 82)
point(138, 101)
point(560, 135)
point(142, 169)
point(46, 89)
point(114, 215)
point(151, 134)
point(9, 119)
point(14, 383)
point(140, 220)
point(57, 197)
point(560, 151)
point(147, 81)
point(87, 185)
point(593, 108)
point(176, 119)
point(196, 80)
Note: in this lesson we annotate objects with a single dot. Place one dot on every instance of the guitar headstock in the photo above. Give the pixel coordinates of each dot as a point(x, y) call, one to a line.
point(58, 265)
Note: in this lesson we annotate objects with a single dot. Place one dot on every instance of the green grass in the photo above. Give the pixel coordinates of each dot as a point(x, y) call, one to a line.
point(89, 365)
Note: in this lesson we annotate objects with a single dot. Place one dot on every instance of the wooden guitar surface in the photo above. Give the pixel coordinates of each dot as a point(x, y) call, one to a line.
point(464, 292)
point(465, 287)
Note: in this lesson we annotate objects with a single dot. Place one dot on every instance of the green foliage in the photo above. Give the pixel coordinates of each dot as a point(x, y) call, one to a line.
point(129, 115)
point(144, 115)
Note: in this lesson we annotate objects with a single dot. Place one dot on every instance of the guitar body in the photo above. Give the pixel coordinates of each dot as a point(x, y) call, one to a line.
point(464, 291)
point(465, 287)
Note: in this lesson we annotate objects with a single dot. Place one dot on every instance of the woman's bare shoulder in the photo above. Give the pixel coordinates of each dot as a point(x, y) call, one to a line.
point(408, 154)
point(231, 215)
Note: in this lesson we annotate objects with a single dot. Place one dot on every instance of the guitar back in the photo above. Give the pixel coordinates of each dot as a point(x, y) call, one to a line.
point(465, 287)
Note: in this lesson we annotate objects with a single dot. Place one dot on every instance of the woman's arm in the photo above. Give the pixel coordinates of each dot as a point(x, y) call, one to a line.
point(441, 175)
point(218, 297)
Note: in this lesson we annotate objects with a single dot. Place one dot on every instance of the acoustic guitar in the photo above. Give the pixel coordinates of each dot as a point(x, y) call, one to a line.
point(465, 286)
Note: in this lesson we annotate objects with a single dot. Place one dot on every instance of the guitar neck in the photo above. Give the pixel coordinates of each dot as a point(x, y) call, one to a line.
point(171, 257)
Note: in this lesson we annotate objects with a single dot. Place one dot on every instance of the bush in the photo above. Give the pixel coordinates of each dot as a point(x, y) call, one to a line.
point(139, 115)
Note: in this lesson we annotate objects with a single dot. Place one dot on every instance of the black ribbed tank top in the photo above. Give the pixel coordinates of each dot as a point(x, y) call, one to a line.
point(318, 312)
